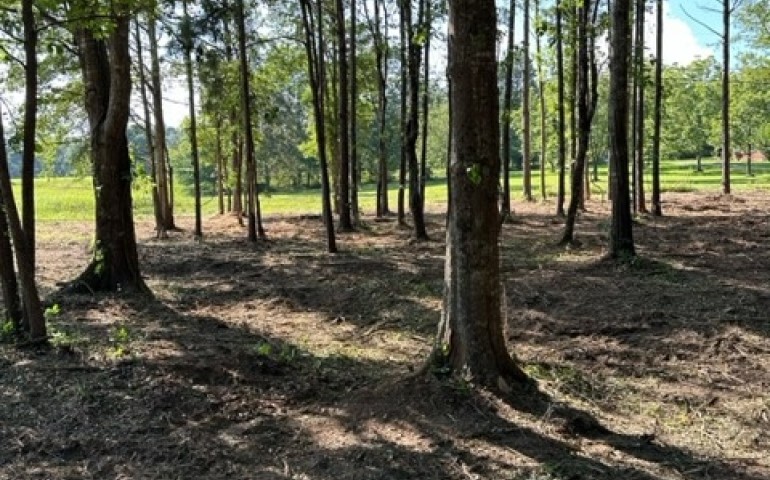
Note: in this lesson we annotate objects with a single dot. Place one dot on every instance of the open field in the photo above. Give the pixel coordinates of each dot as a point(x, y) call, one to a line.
point(72, 198)
point(276, 360)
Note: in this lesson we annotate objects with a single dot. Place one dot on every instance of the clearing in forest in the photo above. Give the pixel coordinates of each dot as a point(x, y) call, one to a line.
point(276, 360)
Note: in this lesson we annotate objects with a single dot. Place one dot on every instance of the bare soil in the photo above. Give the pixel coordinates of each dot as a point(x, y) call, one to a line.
point(276, 360)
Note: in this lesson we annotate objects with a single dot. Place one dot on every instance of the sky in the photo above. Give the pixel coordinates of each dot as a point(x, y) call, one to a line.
point(686, 38)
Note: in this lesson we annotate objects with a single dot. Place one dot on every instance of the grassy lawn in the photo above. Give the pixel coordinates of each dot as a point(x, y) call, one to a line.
point(71, 198)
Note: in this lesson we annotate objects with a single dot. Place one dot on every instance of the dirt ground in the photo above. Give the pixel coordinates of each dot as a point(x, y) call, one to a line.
point(276, 360)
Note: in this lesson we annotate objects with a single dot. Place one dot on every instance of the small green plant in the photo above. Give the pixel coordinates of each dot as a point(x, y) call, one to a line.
point(120, 339)
point(7, 331)
point(62, 338)
point(52, 312)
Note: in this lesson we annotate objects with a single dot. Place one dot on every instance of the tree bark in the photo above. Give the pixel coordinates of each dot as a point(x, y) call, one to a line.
point(641, 202)
point(188, 47)
point(10, 285)
point(314, 49)
point(726, 148)
point(621, 229)
point(106, 68)
point(470, 338)
point(161, 167)
point(30, 125)
point(526, 130)
point(33, 309)
point(403, 114)
point(541, 97)
point(505, 152)
point(561, 139)
point(413, 126)
point(586, 101)
point(381, 57)
point(353, 117)
point(657, 208)
point(343, 123)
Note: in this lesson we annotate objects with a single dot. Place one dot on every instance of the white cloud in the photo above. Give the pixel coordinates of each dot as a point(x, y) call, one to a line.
point(680, 44)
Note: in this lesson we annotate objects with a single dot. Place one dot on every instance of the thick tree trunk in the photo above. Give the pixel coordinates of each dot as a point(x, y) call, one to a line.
point(505, 152)
point(33, 309)
point(470, 337)
point(657, 208)
point(106, 70)
point(30, 126)
point(621, 230)
point(561, 140)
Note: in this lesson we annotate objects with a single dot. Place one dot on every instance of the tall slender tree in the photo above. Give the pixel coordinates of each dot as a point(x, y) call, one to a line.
point(353, 116)
point(33, 309)
point(378, 27)
point(526, 117)
point(561, 139)
point(505, 151)
point(30, 124)
point(312, 20)
point(727, 9)
point(541, 97)
point(470, 337)
point(343, 124)
point(621, 229)
point(187, 38)
point(657, 208)
point(639, 84)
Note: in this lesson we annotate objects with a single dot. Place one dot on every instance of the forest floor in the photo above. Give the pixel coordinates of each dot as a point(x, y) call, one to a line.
point(277, 360)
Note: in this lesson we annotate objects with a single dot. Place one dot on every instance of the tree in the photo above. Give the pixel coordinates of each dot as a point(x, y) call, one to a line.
point(526, 118)
point(639, 112)
point(187, 39)
point(343, 124)
point(33, 309)
point(621, 230)
point(561, 140)
point(587, 95)
point(106, 68)
point(505, 152)
point(30, 125)
point(255, 229)
point(470, 336)
point(413, 123)
point(312, 20)
point(540, 31)
point(8, 282)
point(657, 208)
point(353, 116)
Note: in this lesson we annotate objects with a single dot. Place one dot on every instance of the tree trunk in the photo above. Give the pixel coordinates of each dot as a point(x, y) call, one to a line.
point(641, 202)
point(470, 338)
point(381, 57)
point(33, 309)
point(10, 286)
point(403, 115)
point(30, 125)
point(343, 122)
point(314, 45)
point(254, 225)
point(161, 166)
point(657, 208)
point(505, 152)
point(562, 145)
point(526, 130)
point(148, 128)
point(585, 109)
point(621, 230)
point(106, 70)
point(541, 96)
point(726, 148)
point(220, 161)
point(353, 117)
point(412, 126)
point(426, 22)
point(188, 47)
